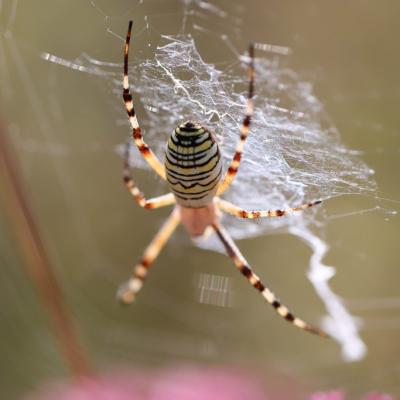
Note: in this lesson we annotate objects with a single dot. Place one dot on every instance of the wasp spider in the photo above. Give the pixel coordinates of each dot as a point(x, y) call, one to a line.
point(193, 171)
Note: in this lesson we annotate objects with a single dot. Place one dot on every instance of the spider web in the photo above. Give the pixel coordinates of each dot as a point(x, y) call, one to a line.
point(293, 155)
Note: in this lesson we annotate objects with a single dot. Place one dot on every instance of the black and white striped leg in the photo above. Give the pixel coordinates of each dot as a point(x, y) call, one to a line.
point(244, 130)
point(144, 149)
point(127, 291)
point(157, 202)
point(236, 211)
point(241, 263)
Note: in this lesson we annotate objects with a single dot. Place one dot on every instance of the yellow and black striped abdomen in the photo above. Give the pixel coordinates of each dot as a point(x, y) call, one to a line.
point(193, 165)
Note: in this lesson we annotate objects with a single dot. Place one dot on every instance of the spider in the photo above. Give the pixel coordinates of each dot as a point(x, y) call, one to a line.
point(193, 171)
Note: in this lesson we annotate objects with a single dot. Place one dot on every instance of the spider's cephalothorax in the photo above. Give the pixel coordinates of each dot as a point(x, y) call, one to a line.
point(193, 165)
point(192, 169)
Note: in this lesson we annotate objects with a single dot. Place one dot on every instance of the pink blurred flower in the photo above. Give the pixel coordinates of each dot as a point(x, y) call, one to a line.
point(332, 395)
point(207, 384)
point(377, 396)
point(187, 383)
point(184, 383)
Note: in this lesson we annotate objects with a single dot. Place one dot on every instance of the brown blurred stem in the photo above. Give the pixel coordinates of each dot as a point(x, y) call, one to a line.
point(37, 263)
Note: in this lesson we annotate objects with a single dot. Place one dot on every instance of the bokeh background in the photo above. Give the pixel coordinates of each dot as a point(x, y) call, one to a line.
point(65, 128)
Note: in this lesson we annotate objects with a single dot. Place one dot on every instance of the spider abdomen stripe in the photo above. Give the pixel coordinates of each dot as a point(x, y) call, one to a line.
point(185, 183)
point(193, 165)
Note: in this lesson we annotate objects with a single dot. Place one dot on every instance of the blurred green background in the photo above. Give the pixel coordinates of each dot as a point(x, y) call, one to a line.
point(63, 125)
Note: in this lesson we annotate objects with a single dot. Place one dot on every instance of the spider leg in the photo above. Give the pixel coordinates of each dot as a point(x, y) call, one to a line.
point(244, 130)
point(241, 263)
point(230, 208)
point(144, 149)
point(156, 202)
point(128, 291)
